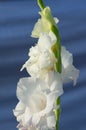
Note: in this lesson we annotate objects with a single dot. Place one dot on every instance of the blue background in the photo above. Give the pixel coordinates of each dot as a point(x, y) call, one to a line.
point(17, 19)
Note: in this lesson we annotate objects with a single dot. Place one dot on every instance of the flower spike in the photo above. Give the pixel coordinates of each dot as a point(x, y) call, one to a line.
point(50, 65)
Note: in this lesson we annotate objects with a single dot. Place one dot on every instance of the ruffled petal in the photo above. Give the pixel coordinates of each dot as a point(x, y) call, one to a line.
point(69, 72)
point(51, 121)
point(19, 111)
point(28, 91)
point(53, 79)
point(41, 58)
point(45, 41)
point(67, 58)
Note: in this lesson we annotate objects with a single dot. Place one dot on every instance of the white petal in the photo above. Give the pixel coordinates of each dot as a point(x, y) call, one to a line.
point(53, 79)
point(21, 127)
point(69, 74)
point(51, 121)
point(45, 60)
point(51, 100)
point(38, 28)
point(45, 41)
point(34, 51)
point(19, 111)
point(24, 85)
point(29, 93)
point(56, 20)
point(53, 37)
point(67, 58)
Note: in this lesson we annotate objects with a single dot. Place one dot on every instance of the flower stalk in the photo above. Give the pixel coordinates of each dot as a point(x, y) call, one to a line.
point(57, 52)
point(57, 113)
point(57, 49)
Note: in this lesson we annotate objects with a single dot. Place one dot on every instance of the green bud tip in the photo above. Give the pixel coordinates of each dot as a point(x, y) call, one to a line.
point(41, 4)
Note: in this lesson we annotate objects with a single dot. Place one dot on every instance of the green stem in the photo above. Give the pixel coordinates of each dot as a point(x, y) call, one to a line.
point(41, 4)
point(57, 113)
point(56, 48)
point(57, 52)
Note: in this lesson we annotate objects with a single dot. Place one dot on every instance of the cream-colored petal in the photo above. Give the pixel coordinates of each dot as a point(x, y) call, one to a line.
point(53, 79)
point(69, 74)
point(38, 28)
point(67, 58)
point(45, 41)
point(53, 37)
point(19, 111)
point(51, 121)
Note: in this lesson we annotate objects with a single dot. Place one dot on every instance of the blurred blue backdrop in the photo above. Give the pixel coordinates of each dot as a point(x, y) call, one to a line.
point(17, 18)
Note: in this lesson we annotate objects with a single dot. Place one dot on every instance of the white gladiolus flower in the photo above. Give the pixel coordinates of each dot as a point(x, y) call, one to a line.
point(42, 59)
point(44, 23)
point(37, 102)
point(69, 72)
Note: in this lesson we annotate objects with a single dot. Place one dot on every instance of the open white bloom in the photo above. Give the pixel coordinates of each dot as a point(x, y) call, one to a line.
point(42, 59)
point(44, 23)
point(37, 102)
point(69, 72)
